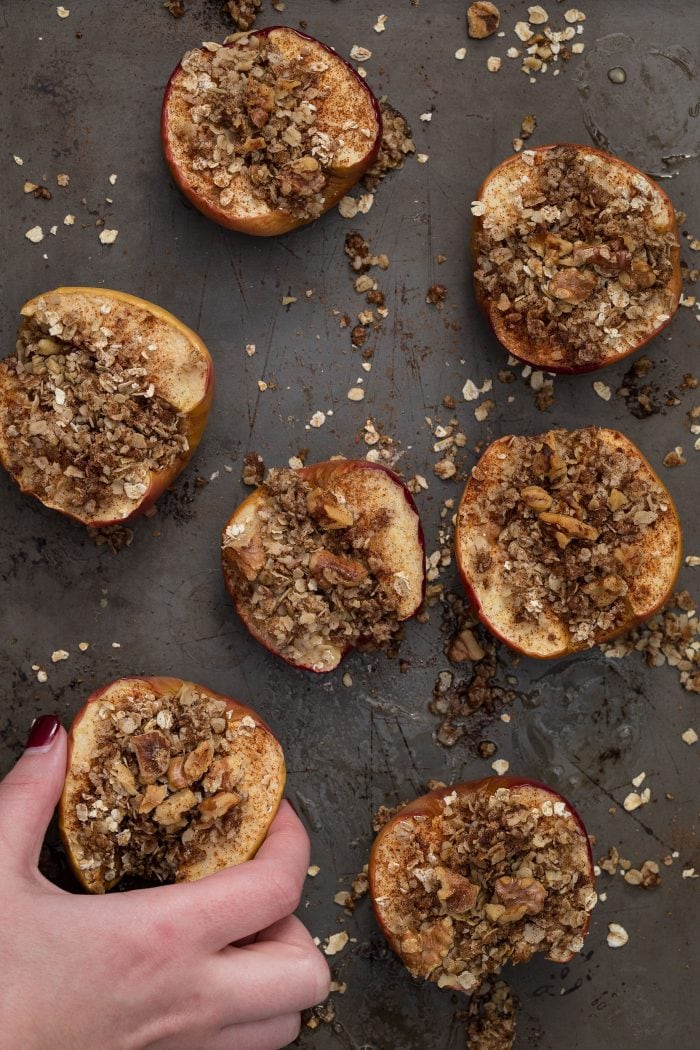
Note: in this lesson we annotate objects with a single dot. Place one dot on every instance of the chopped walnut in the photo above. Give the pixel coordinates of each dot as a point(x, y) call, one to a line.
point(152, 754)
point(483, 19)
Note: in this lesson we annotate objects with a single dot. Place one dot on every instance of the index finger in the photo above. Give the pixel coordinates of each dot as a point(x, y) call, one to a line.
point(241, 901)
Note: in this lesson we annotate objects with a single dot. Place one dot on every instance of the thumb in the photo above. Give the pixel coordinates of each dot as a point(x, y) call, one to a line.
point(29, 793)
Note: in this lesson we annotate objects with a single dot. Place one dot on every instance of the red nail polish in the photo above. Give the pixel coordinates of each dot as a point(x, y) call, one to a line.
point(42, 733)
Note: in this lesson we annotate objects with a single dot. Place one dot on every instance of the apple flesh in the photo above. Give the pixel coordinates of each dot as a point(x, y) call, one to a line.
point(448, 937)
point(643, 564)
point(604, 265)
point(379, 508)
point(179, 369)
point(254, 752)
point(347, 116)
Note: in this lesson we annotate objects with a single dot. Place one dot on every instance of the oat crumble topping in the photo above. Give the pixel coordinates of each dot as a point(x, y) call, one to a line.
point(564, 523)
point(307, 578)
point(487, 879)
point(583, 265)
point(165, 782)
point(396, 144)
point(251, 109)
point(83, 422)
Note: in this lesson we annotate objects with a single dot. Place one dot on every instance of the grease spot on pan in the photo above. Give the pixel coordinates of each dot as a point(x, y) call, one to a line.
point(651, 115)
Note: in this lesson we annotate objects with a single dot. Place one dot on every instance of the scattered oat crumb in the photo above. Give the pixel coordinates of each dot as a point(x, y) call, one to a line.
point(617, 935)
point(674, 458)
point(577, 48)
point(287, 300)
point(317, 419)
point(250, 349)
point(356, 393)
point(83, 646)
point(639, 779)
point(602, 390)
point(62, 179)
point(69, 220)
point(262, 385)
point(35, 235)
point(336, 942)
point(523, 31)
point(478, 207)
point(41, 676)
point(426, 117)
point(295, 463)
point(634, 800)
point(689, 873)
point(445, 469)
point(347, 679)
point(380, 25)
point(108, 236)
point(461, 54)
point(574, 15)
point(481, 412)
point(500, 766)
point(360, 54)
point(422, 158)
point(493, 63)
point(58, 655)
point(537, 15)
point(18, 160)
point(313, 870)
point(112, 179)
point(689, 737)
point(692, 561)
point(62, 12)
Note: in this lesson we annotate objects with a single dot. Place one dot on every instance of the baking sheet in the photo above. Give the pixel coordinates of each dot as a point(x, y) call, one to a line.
point(82, 95)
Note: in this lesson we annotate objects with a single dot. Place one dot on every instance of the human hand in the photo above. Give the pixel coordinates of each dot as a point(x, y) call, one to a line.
point(154, 969)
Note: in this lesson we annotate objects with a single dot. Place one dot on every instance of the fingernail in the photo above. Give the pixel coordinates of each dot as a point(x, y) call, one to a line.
point(43, 733)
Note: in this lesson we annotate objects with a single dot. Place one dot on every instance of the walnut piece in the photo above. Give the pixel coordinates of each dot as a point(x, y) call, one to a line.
point(568, 524)
point(152, 797)
point(483, 19)
point(198, 761)
point(173, 808)
point(524, 895)
point(456, 894)
point(336, 570)
point(325, 508)
point(152, 754)
point(536, 498)
point(426, 948)
point(218, 805)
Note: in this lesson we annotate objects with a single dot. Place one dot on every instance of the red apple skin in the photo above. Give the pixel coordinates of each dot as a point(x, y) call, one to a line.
point(511, 345)
point(274, 224)
point(430, 805)
point(321, 472)
point(196, 422)
point(629, 625)
point(161, 685)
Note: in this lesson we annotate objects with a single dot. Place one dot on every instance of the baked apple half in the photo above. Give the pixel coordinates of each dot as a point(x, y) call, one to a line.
point(576, 257)
point(267, 131)
point(566, 539)
point(102, 403)
point(166, 781)
point(324, 559)
point(475, 875)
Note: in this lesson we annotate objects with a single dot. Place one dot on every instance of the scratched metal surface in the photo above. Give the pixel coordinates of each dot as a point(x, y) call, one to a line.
point(82, 95)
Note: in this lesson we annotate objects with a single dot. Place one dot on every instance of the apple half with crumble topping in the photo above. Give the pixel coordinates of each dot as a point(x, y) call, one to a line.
point(104, 401)
point(324, 559)
point(475, 875)
point(269, 130)
point(576, 257)
point(566, 539)
point(166, 781)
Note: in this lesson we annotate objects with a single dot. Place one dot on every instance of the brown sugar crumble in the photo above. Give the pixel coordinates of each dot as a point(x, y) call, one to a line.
point(243, 13)
point(492, 1017)
point(163, 784)
point(396, 144)
point(569, 516)
point(671, 637)
point(576, 264)
point(487, 879)
point(84, 423)
point(250, 109)
point(307, 578)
